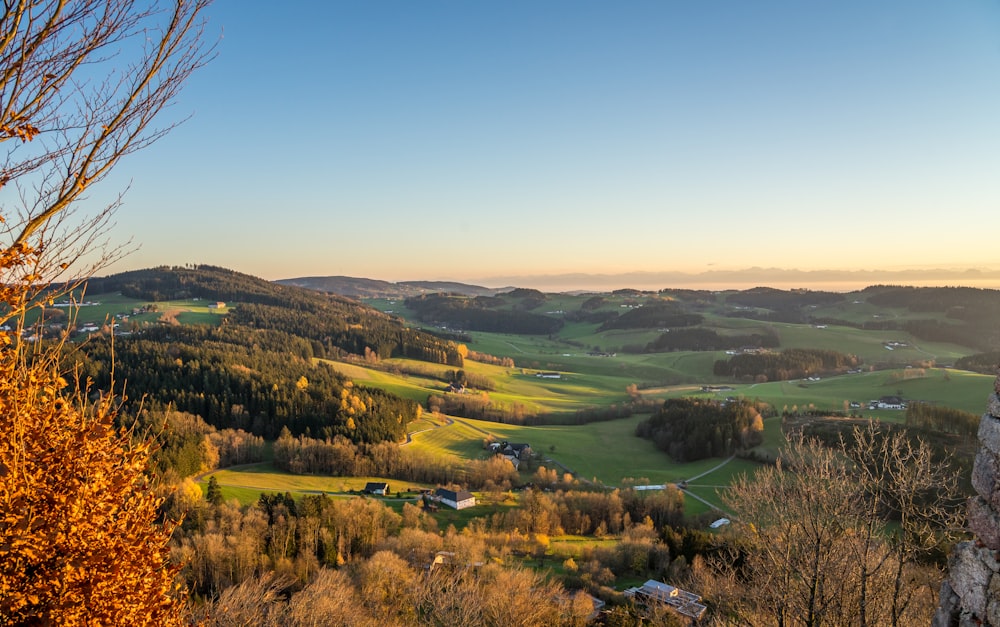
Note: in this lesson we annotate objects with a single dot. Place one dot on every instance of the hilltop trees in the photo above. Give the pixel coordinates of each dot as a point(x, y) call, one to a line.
point(78, 538)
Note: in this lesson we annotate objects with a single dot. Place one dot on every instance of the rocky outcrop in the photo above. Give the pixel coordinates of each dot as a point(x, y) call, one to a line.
point(970, 597)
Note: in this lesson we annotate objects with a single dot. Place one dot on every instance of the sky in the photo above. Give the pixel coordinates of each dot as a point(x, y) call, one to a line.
point(531, 141)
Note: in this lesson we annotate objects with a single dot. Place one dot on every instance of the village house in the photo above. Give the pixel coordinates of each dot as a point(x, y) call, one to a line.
point(520, 451)
point(379, 488)
point(459, 499)
point(888, 402)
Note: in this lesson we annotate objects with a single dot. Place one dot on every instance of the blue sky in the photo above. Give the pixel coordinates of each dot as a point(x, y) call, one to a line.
point(485, 141)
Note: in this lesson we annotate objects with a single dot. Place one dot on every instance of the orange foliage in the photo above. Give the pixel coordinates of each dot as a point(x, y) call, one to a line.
point(78, 539)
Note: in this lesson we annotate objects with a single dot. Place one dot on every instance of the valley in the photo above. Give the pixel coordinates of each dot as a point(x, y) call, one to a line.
point(263, 396)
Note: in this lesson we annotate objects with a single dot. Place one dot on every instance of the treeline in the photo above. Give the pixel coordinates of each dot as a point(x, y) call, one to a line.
point(340, 457)
point(689, 429)
point(478, 314)
point(186, 445)
point(238, 378)
point(332, 335)
point(775, 299)
point(701, 339)
point(964, 335)
point(480, 406)
point(493, 360)
point(941, 419)
point(792, 363)
point(774, 305)
point(985, 363)
point(591, 513)
point(653, 315)
point(942, 299)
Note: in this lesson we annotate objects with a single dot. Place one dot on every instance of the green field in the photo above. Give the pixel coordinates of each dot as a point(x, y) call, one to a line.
point(101, 308)
point(246, 483)
point(959, 389)
point(606, 452)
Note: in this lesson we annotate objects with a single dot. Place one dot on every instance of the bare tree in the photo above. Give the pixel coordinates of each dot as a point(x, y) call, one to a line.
point(82, 83)
point(840, 535)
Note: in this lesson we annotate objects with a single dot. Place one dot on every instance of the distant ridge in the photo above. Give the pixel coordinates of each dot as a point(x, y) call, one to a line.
point(355, 287)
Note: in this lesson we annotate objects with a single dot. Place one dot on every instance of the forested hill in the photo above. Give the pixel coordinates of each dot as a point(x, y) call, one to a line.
point(371, 288)
point(255, 370)
point(333, 324)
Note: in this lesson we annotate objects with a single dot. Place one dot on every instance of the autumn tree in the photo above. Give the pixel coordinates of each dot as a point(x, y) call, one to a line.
point(81, 83)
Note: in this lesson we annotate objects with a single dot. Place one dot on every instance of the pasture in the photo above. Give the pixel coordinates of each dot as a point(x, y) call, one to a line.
point(246, 483)
point(959, 389)
point(608, 452)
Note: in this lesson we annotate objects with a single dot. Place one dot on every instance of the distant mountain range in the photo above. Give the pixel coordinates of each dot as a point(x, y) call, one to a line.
point(355, 287)
point(783, 278)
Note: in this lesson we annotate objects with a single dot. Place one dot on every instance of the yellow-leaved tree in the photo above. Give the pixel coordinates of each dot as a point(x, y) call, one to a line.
point(81, 82)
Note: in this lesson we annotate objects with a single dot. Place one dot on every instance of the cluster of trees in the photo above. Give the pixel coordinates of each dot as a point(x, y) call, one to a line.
point(985, 363)
point(777, 300)
point(340, 456)
point(238, 378)
point(187, 445)
point(480, 406)
point(480, 314)
point(470, 379)
point(792, 363)
point(590, 512)
point(941, 419)
point(654, 315)
point(486, 358)
point(701, 339)
point(689, 429)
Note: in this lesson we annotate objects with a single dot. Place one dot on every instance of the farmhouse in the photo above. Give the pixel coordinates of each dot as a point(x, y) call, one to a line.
point(456, 499)
point(520, 451)
point(888, 402)
point(548, 375)
point(218, 305)
point(684, 602)
point(380, 488)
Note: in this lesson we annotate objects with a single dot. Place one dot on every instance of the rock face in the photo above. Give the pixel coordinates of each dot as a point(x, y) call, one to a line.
point(970, 597)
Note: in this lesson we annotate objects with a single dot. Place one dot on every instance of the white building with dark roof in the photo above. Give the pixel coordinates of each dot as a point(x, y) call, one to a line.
point(456, 499)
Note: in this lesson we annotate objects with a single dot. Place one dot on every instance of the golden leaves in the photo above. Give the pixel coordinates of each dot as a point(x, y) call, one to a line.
point(77, 516)
point(25, 131)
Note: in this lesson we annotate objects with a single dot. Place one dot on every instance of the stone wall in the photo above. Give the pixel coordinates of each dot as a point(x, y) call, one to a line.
point(970, 597)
